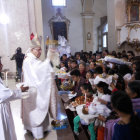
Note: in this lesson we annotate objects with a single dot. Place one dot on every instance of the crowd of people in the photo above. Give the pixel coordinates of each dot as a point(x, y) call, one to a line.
point(108, 89)
point(106, 85)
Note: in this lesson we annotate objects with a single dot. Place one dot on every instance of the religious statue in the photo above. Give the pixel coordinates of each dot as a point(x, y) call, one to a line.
point(88, 36)
point(63, 48)
point(62, 41)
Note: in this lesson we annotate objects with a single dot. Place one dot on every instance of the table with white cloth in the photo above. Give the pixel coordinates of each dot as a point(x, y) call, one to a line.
point(71, 114)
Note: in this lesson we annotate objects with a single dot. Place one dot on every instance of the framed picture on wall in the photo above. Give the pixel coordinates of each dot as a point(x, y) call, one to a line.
point(59, 25)
point(59, 28)
point(133, 11)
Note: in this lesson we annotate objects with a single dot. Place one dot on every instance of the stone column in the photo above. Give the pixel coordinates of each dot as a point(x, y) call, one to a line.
point(87, 18)
point(31, 16)
point(116, 14)
point(39, 24)
point(87, 31)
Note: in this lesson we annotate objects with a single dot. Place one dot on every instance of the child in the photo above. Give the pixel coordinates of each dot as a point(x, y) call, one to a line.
point(87, 96)
point(86, 89)
point(128, 127)
point(96, 108)
point(103, 94)
point(89, 77)
point(63, 67)
point(74, 65)
point(92, 66)
point(7, 130)
point(69, 66)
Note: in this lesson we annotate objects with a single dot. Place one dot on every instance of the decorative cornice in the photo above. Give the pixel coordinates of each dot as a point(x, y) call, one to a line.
point(59, 18)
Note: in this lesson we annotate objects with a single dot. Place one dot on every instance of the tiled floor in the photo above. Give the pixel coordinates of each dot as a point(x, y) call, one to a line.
point(20, 132)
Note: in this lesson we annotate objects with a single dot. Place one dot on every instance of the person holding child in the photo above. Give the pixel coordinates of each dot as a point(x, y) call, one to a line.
point(94, 107)
point(87, 92)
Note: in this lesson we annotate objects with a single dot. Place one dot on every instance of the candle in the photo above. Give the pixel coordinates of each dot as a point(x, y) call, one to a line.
point(85, 98)
point(6, 79)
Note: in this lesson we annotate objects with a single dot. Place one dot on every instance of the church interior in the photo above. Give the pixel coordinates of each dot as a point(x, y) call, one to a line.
point(70, 69)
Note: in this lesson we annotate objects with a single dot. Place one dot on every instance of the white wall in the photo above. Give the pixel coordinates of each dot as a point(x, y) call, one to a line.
point(25, 18)
point(72, 12)
point(16, 33)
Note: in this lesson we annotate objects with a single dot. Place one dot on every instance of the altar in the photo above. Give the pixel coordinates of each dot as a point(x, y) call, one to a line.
point(128, 34)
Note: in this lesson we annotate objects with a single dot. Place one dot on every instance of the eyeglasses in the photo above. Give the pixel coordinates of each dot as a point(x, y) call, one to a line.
point(37, 49)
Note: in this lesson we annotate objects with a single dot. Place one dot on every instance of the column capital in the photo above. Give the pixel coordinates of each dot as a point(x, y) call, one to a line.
point(87, 15)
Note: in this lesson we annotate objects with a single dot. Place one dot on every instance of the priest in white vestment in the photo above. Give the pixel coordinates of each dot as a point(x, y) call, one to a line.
point(7, 128)
point(36, 109)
